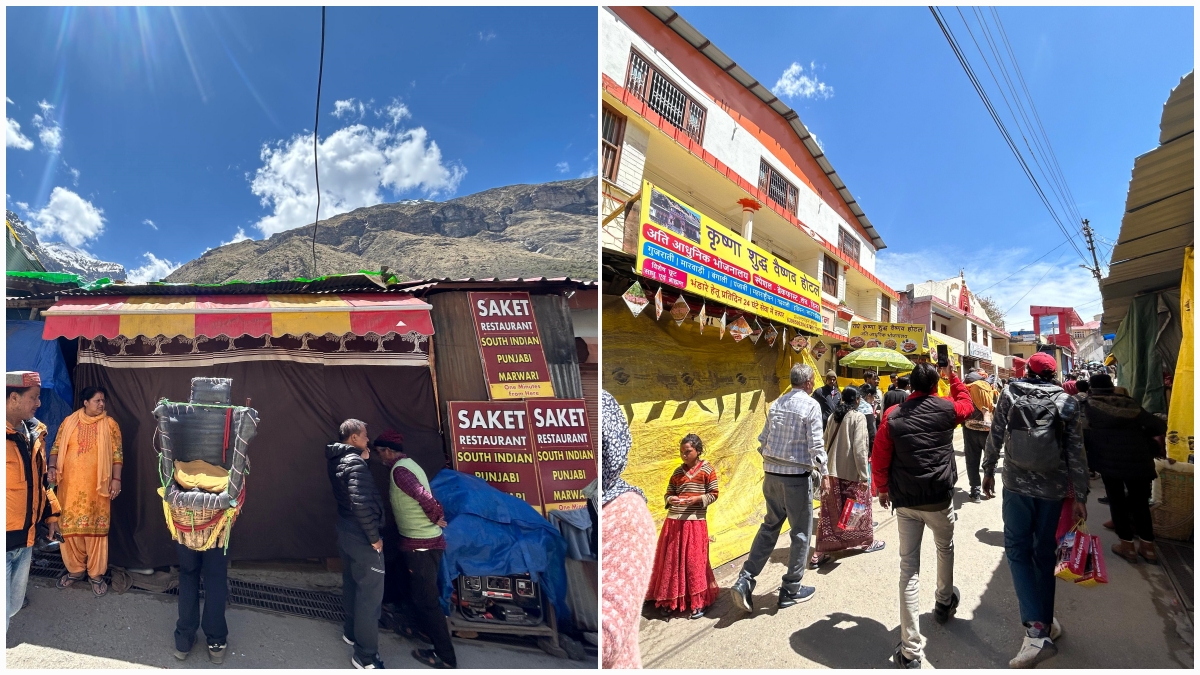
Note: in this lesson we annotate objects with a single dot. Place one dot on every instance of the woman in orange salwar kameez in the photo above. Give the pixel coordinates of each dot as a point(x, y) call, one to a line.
point(85, 463)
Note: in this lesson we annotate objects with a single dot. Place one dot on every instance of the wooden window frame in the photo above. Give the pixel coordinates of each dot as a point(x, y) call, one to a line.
point(974, 333)
point(985, 339)
point(849, 244)
point(617, 147)
point(643, 94)
point(885, 310)
point(826, 276)
point(765, 171)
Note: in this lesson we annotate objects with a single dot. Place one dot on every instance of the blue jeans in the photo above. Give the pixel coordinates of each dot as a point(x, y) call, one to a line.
point(16, 573)
point(1029, 544)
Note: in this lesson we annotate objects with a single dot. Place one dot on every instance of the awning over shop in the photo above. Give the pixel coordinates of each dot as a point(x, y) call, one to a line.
point(236, 315)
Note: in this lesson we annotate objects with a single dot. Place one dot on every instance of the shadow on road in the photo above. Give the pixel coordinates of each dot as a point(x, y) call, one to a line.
point(846, 641)
point(990, 537)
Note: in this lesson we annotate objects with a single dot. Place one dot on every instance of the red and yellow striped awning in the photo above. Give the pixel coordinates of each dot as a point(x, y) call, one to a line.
point(236, 315)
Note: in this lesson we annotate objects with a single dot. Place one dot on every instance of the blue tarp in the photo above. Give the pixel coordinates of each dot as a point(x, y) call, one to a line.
point(492, 533)
point(26, 350)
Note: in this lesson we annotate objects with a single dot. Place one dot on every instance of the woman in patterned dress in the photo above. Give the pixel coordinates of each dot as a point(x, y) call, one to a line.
point(85, 463)
point(848, 479)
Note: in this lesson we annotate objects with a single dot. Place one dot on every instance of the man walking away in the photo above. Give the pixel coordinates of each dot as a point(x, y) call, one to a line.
point(913, 466)
point(898, 395)
point(420, 519)
point(827, 397)
point(976, 429)
point(1038, 424)
point(29, 499)
point(360, 517)
point(793, 448)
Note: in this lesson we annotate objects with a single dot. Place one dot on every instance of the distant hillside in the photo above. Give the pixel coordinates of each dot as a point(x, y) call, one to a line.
point(515, 231)
point(56, 256)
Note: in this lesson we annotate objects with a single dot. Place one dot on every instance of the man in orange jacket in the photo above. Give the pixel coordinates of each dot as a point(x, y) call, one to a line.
point(29, 499)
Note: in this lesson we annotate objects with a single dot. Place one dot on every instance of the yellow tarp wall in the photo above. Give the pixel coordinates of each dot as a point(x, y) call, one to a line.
point(1181, 414)
point(672, 381)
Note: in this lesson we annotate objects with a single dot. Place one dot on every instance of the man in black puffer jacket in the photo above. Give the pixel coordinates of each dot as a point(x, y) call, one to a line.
point(913, 469)
point(360, 519)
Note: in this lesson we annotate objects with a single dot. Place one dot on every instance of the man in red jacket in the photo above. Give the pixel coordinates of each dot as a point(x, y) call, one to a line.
point(913, 470)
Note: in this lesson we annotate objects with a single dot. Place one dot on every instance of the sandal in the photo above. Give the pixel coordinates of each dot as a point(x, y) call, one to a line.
point(99, 587)
point(408, 632)
point(67, 579)
point(429, 658)
point(817, 560)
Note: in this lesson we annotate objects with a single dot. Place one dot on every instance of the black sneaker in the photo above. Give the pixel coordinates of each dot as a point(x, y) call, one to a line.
point(742, 591)
point(803, 595)
point(942, 613)
point(375, 664)
point(903, 661)
point(1103, 500)
point(347, 640)
point(216, 653)
point(976, 497)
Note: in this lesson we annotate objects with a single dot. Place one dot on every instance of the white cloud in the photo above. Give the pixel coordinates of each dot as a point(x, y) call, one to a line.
point(588, 172)
point(396, 111)
point(74, 175)
point(817, 140)
point(155, 269)
point(240, 235)
point(794, 82)
point(488, 36)
point(349, 107)
point(10, 101)
point(23, 206)
point(562, 167)
point(69, 217)
point(150, 223)
point(355, 163)
point(49, 133)
point(13, 138)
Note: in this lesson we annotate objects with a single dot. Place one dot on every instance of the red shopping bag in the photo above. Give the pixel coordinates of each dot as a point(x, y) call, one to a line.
point(1073, 553)
point(1096, 572)
point(1066, 518)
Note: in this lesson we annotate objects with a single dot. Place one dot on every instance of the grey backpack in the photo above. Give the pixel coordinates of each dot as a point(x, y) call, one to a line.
point(1034, 433)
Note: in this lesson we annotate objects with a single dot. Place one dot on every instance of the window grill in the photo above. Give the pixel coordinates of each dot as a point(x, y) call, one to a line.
point(613, 133)
point(848, 243)
point(664, 98)
point(779, 189)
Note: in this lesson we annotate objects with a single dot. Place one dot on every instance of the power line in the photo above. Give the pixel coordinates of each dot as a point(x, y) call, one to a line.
point(316, 124)
point(1060, 244)
point(1035, 285)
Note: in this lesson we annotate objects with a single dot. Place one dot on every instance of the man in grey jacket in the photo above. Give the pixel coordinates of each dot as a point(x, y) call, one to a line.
point(793, 448)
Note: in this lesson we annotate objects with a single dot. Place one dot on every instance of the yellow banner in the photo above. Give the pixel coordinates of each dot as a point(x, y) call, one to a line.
point(680, 247)
point(1181, 414)
point(906, 338)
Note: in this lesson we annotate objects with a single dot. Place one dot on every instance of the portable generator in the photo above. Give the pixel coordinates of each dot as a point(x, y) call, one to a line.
point(513, 600)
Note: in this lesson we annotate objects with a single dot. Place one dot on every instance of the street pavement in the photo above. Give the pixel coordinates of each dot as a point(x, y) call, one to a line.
point(72, 629)
point(853, 620)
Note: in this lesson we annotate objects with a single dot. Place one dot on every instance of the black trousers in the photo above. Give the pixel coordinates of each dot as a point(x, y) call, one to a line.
point(973, 442)
point(362, 589)
point(214, 567)
point(423, 588)
point(1130, 510)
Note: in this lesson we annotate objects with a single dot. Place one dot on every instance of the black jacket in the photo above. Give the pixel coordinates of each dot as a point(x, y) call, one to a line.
point(894, 397)
point(922, 472)
point(358, 499)
point(828, 398)
point(1118, 435)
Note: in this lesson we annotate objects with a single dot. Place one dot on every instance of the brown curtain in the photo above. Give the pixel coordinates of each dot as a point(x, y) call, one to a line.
point(289, 510)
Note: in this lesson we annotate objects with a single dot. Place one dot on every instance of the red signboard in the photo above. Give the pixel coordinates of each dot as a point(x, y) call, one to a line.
point(511, 346)
point(566, 458)
point(491, 441)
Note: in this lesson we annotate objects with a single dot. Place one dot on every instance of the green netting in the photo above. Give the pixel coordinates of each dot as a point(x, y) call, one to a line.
point(50, 277)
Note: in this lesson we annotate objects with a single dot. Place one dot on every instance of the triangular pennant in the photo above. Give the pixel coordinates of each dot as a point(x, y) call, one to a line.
point(771, 334)
point(819, 349)
point(799, 343)
point(739, 329)
point(756, 331)
point(658, 304)
point(635, 298)
point(703, 317)
point(724, 314)
point(680, 311)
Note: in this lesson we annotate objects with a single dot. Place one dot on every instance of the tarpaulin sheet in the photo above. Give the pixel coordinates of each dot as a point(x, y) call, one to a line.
point(1181, 415)
point(672, 381)
point(26, 350)
point(489, 532)
point(1147, 345)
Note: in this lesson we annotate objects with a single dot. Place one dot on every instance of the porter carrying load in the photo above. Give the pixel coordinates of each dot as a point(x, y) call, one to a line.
point(202, 463)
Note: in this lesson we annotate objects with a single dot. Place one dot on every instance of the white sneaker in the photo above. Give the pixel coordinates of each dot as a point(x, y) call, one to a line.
point(1033, 651)
point(1056, 630)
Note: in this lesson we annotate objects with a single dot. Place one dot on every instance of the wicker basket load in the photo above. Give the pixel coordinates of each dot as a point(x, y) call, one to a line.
point(1173, 516)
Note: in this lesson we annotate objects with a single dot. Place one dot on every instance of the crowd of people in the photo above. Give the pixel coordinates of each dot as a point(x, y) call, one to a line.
point(847, 447)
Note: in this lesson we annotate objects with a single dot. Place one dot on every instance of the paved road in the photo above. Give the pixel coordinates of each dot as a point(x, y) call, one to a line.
point(73, 629)
point(853, 621)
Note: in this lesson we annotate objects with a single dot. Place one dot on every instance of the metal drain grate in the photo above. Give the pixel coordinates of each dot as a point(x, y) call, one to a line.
point(278, 599)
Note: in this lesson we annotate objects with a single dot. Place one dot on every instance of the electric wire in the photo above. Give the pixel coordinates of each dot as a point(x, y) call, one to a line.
point(316, 124)
point(1035, 285)
point(1060, 245)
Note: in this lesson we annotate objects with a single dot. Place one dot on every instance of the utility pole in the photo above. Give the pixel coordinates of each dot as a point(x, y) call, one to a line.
point(1091, 244)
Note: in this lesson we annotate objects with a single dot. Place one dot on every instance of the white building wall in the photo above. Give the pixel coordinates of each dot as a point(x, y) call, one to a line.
point(633, 159)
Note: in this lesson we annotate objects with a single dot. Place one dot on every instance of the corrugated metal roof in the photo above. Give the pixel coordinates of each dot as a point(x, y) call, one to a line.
point(702, 44)
point(1159, 220)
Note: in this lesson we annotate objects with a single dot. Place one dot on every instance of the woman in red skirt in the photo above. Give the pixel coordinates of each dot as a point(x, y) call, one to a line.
point(683, 579)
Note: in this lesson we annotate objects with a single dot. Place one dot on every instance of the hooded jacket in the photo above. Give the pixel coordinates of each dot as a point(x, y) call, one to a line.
point(358, 499)
point(1118, 434)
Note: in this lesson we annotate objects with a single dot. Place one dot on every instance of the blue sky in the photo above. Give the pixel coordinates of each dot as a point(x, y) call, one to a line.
point(901, 123)
point(146, 136)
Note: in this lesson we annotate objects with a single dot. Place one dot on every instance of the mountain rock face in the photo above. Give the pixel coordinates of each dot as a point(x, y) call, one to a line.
point(514, 231)
point(56, 256)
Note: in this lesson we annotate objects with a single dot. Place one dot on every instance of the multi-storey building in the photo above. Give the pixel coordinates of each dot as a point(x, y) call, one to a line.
point(954, 316)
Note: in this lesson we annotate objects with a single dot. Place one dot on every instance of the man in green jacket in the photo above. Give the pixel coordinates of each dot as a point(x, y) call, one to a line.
point(420, 519)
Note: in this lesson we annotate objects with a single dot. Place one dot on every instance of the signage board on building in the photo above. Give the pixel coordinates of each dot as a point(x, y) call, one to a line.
point(680, 247)
point(491, 440)
point(978, 351)
point(565, 454)
point(906, 338)
point(510, 346)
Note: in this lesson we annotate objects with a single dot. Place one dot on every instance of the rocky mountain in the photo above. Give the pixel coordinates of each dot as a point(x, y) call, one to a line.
point(514, 231)
point(56, 256)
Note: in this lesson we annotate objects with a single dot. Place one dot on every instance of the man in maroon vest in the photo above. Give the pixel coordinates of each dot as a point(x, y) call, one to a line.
point(914, 471)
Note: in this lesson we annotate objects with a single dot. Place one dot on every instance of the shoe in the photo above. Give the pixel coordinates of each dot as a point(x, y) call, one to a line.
point(181, 655)
point(347, 640)
point(976, 497)
point(375, 664)
point(1144, 549)
point(25, 602)
point(803, 595)
point(1056, 631)
point(1126, 550)
point(1108, 525)
point(216, 653)
point(1033, 651)
point(430, 658)
point(698, 614)
point(1103, 500)
point(741, 591)
point(903, 661)
point(942, 613)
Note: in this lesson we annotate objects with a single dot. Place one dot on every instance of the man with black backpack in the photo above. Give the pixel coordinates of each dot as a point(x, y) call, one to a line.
point(1038, 424)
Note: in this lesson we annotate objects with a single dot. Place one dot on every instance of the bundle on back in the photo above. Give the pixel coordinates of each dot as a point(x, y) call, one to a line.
point(203, 462)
